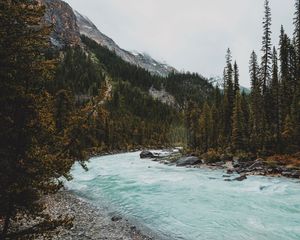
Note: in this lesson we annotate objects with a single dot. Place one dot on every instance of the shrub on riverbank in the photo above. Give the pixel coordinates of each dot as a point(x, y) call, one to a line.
point(291, 161)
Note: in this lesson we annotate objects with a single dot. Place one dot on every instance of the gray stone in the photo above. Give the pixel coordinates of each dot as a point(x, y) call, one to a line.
point(241, 178)
point(257, 164)
point(296, 174)
point(236, 164)
point(286, 174)
point(185, 161)
point(116, 218)
point(146, 154)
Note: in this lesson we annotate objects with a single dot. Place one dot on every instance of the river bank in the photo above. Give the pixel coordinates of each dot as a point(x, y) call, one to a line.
point(275, 166)
point(189, 203)
point(89, 222)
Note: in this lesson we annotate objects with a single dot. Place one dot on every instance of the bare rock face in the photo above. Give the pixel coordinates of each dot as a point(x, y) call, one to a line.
point(61, 16)
point(162, 96)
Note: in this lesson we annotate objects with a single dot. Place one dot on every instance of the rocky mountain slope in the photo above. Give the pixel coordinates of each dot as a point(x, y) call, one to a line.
point(69, 25)
point(61, 16)
point(87, 28)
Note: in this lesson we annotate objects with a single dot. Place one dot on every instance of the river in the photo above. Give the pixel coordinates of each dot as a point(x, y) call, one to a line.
point(191, 204)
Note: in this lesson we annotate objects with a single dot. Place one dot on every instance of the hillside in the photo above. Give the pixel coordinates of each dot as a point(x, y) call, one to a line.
point(147, 98)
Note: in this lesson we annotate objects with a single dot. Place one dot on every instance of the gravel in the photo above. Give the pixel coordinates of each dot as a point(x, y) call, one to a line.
point(90, 222)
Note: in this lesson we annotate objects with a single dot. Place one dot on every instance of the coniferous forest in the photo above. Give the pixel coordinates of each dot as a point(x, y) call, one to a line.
point(61, 106)
point(264, 122)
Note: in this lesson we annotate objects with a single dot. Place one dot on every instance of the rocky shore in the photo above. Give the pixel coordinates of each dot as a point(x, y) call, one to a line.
point(232, 165)
point(89, 222)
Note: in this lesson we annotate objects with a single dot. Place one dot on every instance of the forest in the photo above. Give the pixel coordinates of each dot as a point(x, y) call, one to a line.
point(63, 106)
point(59, 107)
point(264, 122)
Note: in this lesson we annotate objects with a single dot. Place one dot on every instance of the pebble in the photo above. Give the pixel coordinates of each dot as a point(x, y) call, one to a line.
point(89, 222)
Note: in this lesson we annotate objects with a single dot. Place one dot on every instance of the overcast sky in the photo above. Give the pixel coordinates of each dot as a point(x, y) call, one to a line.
point(191, 35)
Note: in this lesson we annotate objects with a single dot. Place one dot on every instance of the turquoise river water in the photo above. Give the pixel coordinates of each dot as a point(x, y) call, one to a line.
point(192, 204)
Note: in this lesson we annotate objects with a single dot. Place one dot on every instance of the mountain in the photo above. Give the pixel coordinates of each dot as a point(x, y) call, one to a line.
point(61, 16)
point(155, 79)
point(146, 99)
point(87, 28)
point(218, 81)
point(69, 25)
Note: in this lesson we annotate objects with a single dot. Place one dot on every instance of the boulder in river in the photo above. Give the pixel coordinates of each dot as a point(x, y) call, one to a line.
point(241, 178)
point(185, 161)
point(116, 218)
point(146, 154)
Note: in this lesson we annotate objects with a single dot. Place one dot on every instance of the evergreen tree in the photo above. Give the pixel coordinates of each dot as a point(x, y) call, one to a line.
point(205, 128)
point(295, 117)
point(294, 67)
point(34, 154)
point(236, 79)
point(266, 48)
point(246, 119)
point(275, 99)
point(256, 101)
point(228, 96)
point(237, 125)
point(285, 74)
point(297, 35)
point(288, 133)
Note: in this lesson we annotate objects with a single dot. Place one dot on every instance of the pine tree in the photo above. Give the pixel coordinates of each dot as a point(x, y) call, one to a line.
point(288, 133)
point(295, 118)
point(228, 96)
point(285, 74)
point(236, 79)
point(296, 97)
point(266, 48)
point(256, 101)
point(297, 35)
point(205, 128)
point(34, 154)
point(64, 105)
point(275, 99)
point(237, 125)
point(245, 106)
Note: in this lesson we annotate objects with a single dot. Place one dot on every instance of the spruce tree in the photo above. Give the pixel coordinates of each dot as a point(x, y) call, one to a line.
point(275, 99)
point(297, 35)
point(288, 133)
point(236, 78)
point(35, 152)
point(256, 101)
point(228, 96)
point(285, 74)
point(237, 138)
point(266, 48)
point(246, 119)
point(205, 128)
point(295, 118)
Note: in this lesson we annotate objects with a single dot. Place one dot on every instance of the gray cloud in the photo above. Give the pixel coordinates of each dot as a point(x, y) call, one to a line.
point(191, 35)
